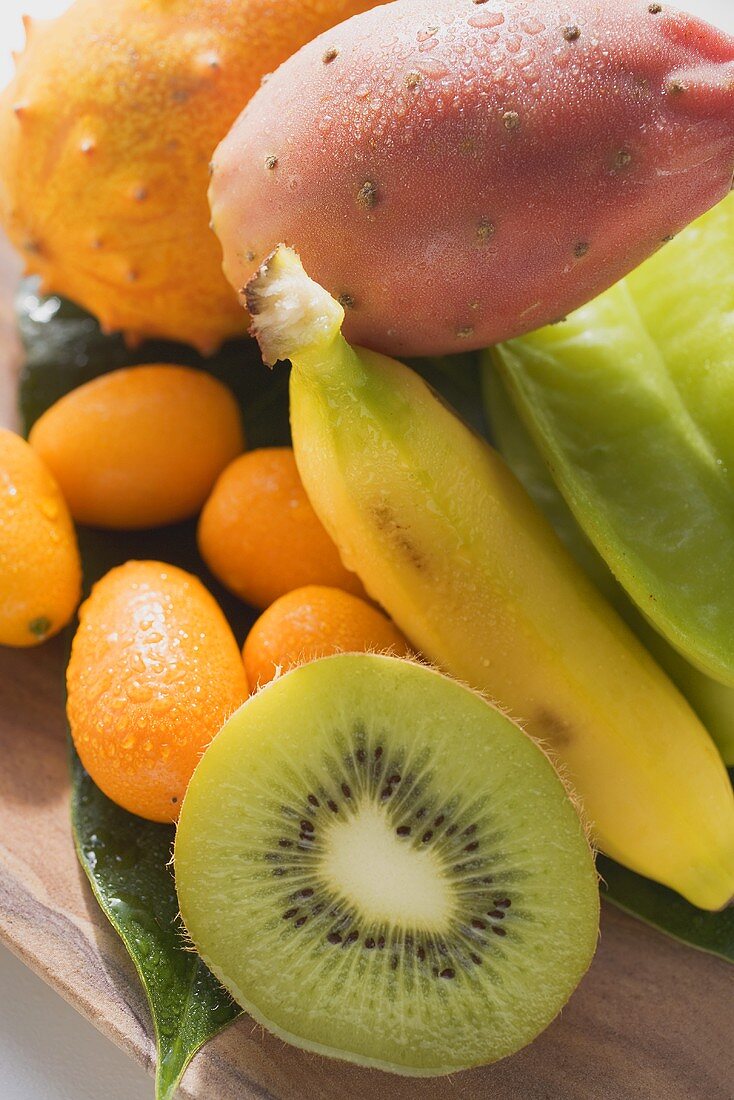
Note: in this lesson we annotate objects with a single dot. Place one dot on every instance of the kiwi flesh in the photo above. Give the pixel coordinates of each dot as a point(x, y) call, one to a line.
point(382, 867)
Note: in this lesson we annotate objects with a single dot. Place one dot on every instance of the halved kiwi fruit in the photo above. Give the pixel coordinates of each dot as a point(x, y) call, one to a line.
point(382, 867)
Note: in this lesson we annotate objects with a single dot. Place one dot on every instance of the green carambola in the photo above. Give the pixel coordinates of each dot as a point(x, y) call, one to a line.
point(126, 861)
point(631, 400)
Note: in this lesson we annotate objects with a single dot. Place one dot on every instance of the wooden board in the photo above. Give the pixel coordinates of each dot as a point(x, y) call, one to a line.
point(651, 1020)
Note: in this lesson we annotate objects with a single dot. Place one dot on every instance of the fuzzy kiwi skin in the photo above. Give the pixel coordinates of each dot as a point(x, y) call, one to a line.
point(460, 174)
point(282, 722)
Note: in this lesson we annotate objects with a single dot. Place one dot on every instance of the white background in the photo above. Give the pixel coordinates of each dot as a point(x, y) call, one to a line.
point(47, 1051)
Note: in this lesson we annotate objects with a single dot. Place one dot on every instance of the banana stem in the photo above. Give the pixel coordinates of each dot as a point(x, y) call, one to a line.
point(292, 316)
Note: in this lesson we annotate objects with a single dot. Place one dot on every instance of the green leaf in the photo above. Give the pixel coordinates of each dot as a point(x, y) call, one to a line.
point(668, 911)
point(65, 347)
point(126, 861)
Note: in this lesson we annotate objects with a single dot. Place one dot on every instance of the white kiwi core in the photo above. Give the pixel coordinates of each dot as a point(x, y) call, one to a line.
point(366, 864)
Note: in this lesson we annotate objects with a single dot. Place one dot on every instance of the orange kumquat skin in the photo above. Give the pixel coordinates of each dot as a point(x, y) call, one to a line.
point(141, 446)
point(40, 569)
point(314, 622)
point(259, 534)
point(154, 673)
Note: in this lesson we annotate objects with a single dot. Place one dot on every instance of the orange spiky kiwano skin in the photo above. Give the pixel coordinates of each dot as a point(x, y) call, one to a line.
point(106, 133)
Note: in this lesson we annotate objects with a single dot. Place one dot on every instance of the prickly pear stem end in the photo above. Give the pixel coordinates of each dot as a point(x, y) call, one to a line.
point(290, 312)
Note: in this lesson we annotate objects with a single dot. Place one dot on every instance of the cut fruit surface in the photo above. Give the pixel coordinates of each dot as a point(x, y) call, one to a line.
point(382, 867)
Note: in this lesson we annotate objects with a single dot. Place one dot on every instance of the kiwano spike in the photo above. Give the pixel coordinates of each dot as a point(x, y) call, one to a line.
point(33, 27)
point(133, 340)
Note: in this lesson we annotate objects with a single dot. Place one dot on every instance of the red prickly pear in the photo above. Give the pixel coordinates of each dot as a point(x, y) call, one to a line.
point(461, 173)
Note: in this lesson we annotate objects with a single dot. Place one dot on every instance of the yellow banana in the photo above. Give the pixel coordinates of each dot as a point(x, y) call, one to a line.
point(446, 539)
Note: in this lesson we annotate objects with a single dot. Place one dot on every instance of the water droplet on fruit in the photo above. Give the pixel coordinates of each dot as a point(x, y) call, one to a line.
point(526, 58)
point(209, 60)
point(532, 26)
point(484, 19)
point(434, 69)
point(49, 508)
point(139, 692)
point(427, 34)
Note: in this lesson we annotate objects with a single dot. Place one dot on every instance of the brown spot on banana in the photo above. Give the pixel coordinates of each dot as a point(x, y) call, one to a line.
point(553, 728)
point(396, 532)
